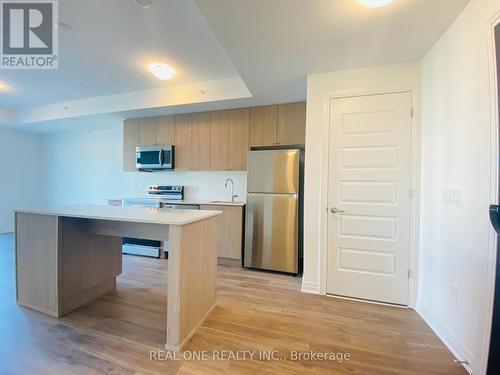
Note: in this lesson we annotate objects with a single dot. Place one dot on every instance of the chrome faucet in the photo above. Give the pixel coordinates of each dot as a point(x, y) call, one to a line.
point(232, 188)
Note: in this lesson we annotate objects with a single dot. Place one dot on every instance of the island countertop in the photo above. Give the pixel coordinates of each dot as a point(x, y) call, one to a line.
point(127, 214)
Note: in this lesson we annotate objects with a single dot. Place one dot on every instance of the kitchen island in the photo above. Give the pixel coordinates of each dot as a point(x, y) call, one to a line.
point(68, 256)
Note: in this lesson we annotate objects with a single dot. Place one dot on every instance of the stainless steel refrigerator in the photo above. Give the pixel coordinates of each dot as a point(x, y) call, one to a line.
point(273, 223)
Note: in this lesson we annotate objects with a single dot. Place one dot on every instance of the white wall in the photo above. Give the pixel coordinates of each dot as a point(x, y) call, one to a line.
point(86, 167)
point(319, 88)
point(456, 152)
point(21, 177)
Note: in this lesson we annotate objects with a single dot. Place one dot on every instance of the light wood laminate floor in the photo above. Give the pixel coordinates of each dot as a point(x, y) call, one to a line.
point(256, 311)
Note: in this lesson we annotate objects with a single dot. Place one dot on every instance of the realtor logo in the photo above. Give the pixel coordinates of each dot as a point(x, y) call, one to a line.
point(28, 36)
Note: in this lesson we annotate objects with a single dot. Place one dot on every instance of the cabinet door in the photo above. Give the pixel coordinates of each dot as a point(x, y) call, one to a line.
point(219, 141)
point(232, 235)
point(230, 230)
point(292, 123)
point(263, 123)
point(182, 142)
point(165, 130)
point(148, 131)
point(131, 139)
point(200, 141)
point(238, 139)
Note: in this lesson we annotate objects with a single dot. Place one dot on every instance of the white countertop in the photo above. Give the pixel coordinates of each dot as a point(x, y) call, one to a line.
point(186, 201)
point(128, 214)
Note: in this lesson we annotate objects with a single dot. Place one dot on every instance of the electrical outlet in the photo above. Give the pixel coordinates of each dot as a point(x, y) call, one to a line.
point(452, 196)
point(454, 293)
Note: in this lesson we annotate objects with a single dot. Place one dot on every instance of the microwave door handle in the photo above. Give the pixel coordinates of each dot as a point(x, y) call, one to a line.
point(161, 157)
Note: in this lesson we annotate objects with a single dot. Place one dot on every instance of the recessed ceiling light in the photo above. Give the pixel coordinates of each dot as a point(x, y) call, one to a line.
point(161, 71)
point(375, 3)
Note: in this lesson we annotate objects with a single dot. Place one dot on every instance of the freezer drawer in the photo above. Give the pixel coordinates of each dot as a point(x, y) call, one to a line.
point(273, 171)
point(271, 240)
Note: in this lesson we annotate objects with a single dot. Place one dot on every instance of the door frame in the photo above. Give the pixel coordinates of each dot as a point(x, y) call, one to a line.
point(494, 183)
point(415, 184)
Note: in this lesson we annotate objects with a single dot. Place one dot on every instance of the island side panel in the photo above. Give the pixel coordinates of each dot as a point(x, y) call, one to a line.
point(37, 239)
point(192, 278)
point(90, 263)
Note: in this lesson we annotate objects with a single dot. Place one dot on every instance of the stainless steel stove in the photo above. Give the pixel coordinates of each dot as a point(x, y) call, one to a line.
point(146, 247)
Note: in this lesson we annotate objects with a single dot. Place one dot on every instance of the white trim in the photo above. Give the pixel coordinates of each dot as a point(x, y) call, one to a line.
point(368, 301)
point(458, 350)
point(484, 341)
point(415, 184)
point(309, 287)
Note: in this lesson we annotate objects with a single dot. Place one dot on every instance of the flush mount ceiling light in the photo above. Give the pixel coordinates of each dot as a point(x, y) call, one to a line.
point(375, 3)
point(4, 87)
point(62, 26)
point(144, 3)
point(161, 71)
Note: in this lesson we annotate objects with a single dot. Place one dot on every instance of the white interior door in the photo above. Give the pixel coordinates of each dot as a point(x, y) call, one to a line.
point(369, 187)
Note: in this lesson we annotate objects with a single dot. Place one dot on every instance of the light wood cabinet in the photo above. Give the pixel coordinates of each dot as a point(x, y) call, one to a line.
point(200, 141)
point(219, 141)
point(239, 120)
point(147, 129)
point(231, 230)
point(216, 141)
point(183, 142)
point(131, 139)
point(229, 140)
point(263, 122)
point(284, 124)
point(165, 130)
point(291, 123)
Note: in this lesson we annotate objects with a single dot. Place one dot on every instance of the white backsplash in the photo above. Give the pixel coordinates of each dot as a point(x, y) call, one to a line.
point(96, 174)
point(197, 185)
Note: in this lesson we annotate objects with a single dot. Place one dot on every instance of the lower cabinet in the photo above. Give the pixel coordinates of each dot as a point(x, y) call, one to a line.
point(231, 230)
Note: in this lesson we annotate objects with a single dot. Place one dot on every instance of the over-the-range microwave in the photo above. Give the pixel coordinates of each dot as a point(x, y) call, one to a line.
point(155, 158)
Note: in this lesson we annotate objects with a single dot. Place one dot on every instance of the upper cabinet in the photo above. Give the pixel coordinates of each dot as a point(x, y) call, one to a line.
point(291, 128)
point(283, 124)
point(219, 141)
point(131, 139)
point(165, 130)
point(147, 130)
point(229, 140)
point(200, 141)
point(263, 121)
point(239, 133)
point(183, 143)
point(216, 141)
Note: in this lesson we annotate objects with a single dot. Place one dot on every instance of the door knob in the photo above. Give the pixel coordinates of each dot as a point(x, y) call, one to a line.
point(335, 210)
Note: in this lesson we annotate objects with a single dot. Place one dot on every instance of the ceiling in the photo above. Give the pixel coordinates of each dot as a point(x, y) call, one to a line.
point(274, 44)
point(266, 48)
point(109, 45)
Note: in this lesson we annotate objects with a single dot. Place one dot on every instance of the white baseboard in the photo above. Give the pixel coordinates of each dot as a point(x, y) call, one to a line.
point(449, 340)
point(309, 287)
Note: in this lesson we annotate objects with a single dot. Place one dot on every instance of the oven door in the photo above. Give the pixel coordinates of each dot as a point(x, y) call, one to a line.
point(142, 246)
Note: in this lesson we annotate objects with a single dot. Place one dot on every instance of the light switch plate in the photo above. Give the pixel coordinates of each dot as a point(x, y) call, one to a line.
point(452, 196)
